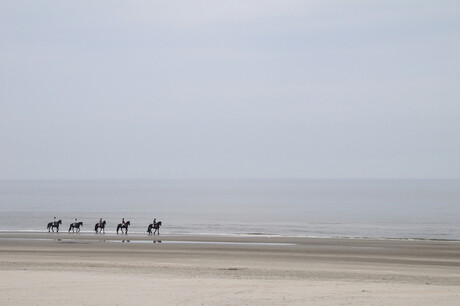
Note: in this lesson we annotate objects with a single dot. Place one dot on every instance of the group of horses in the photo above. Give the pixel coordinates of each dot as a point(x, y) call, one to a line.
point(100, 227)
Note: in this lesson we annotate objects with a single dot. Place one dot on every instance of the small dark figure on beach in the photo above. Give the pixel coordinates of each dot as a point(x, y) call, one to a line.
point(75, 227)
point(100, 226)
point(156, 226)
point(54, 224)
point(123, 226)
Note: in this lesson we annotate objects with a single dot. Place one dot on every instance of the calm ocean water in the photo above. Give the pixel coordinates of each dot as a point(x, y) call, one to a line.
point(426, 209)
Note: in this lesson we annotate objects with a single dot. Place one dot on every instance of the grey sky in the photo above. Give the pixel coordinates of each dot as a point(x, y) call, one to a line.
point(234, 89)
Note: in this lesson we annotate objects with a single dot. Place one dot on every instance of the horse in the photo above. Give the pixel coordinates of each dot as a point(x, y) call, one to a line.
point(100, 226)
point(156, 228)
point(54, 224)
point(123, 226)
point(75, 227)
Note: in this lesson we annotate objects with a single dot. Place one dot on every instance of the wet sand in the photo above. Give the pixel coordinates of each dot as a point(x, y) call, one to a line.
point(89, 269)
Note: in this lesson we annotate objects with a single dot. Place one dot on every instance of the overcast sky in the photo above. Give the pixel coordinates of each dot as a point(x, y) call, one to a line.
point(229, 89)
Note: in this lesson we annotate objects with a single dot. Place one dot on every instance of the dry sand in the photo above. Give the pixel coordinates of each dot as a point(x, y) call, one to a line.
point(86, 269)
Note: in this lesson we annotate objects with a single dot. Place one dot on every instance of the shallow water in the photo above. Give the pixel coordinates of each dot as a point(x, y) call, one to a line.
point(427, 209)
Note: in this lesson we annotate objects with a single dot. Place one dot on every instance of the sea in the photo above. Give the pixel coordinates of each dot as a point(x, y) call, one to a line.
point(382, 209)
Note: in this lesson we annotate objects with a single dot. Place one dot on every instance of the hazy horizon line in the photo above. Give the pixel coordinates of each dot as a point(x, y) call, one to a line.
point(224, 179)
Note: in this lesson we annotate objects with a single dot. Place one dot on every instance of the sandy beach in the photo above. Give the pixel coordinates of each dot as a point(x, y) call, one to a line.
point(87, 269)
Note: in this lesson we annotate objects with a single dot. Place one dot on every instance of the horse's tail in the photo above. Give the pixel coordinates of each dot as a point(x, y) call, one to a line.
point(118, 227)
point(95, 227)
point(49, 225)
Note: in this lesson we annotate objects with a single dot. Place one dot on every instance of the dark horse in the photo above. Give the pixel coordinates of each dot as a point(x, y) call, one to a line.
point(100, 226)
point(75, 227)
point(123, 226)
point(54, 224)
point(156, 228)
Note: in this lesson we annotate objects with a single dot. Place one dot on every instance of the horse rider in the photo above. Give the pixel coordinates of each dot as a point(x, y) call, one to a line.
point(75, 223)
point(100, 222)
point(123, 221)
point(54, 221)
point(154, 223)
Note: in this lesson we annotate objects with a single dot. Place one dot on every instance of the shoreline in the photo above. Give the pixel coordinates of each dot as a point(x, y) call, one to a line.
point(30, 234)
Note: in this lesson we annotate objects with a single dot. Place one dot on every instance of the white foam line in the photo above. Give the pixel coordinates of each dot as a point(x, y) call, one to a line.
point(205, 242)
